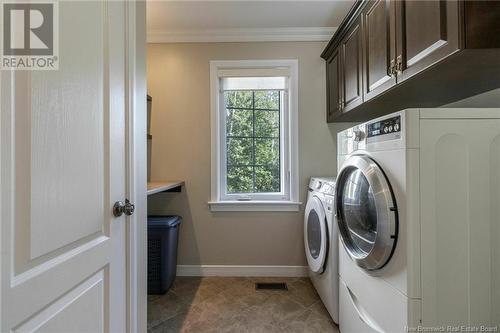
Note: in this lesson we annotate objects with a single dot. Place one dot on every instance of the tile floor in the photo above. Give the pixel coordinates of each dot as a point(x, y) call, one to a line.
point(225, 304)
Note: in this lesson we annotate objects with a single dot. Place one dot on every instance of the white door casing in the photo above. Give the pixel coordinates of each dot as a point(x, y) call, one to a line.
point(64, 149)
point(136, 160)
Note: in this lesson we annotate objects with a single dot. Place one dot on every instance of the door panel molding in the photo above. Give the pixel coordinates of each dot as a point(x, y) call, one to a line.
point(334, 86)
point(424, 53)
point(33, 130)
point(353, 42)
point(51, 263)
point(378, 15)
point(442, 32)
point(420, 49)
point(64, 117)
point(94, 284)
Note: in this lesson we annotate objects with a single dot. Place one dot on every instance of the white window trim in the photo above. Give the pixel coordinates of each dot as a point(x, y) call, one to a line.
point(290, 204)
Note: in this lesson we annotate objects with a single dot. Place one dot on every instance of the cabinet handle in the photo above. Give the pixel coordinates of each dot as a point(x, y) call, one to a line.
point(399, 65)
point(392, 68)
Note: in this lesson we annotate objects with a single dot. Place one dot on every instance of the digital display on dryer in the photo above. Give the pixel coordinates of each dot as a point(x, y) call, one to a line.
point(386, 126)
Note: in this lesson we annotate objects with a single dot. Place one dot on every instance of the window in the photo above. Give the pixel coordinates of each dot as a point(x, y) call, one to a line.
point(254, 135)
point(252, 140)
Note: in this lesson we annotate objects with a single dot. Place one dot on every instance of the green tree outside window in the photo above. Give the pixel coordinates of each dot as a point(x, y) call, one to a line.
point(253, 141)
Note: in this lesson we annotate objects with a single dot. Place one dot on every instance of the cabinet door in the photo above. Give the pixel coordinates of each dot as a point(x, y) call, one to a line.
point(333, 86)
point(481, 19)
point(429, 32)
point(352, 77)
point(378, 47)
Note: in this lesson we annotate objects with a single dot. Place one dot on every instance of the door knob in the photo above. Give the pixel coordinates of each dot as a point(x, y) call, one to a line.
point(121, 208)
point(358, 135)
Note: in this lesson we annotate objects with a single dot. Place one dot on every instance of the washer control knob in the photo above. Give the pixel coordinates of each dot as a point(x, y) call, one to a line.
point(396, 127)
point(386, 129)
point(318, 185)
point(359, 135)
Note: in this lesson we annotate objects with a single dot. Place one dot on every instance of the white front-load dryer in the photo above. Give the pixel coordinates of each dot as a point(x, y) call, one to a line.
point(378, 241)
point(321, 242)
point(416, 205)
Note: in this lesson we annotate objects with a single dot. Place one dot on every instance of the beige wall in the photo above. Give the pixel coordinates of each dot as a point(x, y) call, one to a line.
point(178, 81)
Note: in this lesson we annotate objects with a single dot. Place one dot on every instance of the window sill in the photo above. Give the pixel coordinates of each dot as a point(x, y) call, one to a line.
point(254, 206)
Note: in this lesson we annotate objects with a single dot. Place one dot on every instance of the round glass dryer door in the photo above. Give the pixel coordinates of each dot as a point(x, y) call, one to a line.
point(315, 235)
point(366, 213)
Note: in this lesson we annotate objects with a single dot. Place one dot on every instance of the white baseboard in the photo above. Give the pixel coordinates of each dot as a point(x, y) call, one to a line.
point(230, 270)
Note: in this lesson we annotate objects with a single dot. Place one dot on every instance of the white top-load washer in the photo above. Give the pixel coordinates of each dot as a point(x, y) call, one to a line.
point(321, 242)
point(418, 213)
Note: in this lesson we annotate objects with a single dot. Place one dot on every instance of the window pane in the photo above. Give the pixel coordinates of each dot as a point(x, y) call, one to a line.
point(269, 99)
point(240, 180)
point(239, 122)
point(267, 152)
point(253, 141)
point(239, 152)
point(267, 124)
point(267, 180)
point(239, 99)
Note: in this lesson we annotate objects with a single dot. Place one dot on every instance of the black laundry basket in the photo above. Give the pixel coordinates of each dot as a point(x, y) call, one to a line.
point(163, 233)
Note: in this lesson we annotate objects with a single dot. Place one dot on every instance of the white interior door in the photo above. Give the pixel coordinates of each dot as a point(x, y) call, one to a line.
point(63, 165)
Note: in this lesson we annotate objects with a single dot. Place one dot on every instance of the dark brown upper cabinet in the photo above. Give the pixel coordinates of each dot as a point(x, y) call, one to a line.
point(482, 29)
point(333, 87)
point(428, 32)
point(352, 76)
point(389, 55)
point(379, 39)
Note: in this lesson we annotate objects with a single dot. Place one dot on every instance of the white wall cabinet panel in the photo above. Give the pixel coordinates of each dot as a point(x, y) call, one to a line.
point(460, 218)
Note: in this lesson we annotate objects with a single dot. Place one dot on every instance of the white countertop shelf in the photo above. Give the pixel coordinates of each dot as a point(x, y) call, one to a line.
point(164, 186)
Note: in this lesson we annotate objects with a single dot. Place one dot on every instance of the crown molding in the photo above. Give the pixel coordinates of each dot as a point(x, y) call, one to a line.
point(241, 35)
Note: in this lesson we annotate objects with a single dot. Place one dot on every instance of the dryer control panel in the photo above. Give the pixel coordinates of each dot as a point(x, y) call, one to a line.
point(383, 130)
point(385, 126)
point(384, 133)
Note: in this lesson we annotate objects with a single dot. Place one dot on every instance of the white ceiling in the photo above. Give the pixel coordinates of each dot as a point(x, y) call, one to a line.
point(189, 17)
